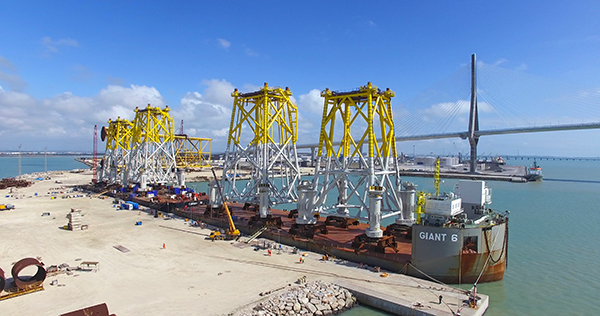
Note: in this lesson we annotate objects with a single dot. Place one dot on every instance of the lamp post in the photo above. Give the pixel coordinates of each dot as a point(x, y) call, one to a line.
point(19, 160)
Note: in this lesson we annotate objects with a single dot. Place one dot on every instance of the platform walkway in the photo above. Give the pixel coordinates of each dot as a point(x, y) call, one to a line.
point(421, 300)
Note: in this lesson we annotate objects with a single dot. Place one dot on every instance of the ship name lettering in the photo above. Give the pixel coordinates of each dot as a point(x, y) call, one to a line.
point(432, 236)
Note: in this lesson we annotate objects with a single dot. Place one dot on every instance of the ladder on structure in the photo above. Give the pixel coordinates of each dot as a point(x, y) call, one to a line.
point(256, 234)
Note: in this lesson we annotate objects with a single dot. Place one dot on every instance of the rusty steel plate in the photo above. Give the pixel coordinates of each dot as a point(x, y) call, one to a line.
point(35, 280)
point(2, 280)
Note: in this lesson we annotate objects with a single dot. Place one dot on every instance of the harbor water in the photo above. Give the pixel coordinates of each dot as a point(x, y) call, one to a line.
point(553, 243)
point(9, 166)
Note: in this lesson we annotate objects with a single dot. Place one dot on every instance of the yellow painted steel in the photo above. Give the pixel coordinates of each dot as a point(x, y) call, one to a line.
point(192, 152)
point(152, 125)
point(14, 292)
point(118, 134)
point(269, 113)
point(436, 177)
point(361, 106)
point(420, 203)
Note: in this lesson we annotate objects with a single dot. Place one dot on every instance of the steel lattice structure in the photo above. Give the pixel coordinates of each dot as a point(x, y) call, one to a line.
point(365, 115)
point(152, 158)
point(271, 154)
point(192, 152)
point(118, 147)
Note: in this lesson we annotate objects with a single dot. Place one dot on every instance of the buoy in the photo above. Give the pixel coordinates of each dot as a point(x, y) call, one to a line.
point(164, 247)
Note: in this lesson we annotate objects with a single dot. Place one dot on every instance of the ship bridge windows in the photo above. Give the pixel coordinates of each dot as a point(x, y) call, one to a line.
point(470, 244)
point(477, 210)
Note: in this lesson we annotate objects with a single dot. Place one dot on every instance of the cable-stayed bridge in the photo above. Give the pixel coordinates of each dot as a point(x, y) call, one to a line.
point(511, 101)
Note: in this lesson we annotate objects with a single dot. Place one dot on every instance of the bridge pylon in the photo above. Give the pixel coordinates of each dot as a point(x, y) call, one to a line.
point(362, 116)
point(269, 154)
point(118, 148)
point(152, 157)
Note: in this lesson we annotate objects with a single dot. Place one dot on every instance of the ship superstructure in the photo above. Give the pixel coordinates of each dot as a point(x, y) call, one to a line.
point(458, 238)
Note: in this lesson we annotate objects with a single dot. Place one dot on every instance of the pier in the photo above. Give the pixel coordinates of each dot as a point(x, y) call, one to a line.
point(422, 300)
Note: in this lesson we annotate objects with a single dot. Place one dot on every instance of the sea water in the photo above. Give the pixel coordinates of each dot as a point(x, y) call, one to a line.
point(554, 252)
point(9, 166)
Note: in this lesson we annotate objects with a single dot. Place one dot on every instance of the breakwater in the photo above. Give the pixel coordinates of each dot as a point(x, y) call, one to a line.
point(314, 298)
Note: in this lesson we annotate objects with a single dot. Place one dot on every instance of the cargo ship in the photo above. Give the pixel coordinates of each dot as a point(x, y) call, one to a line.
point(458, 239)
point(455, 239)
point(534, 173)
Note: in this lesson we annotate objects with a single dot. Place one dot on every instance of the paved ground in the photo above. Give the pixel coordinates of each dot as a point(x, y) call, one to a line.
point(190, 276)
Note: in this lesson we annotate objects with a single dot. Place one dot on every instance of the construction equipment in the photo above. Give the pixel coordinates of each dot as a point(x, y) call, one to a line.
point(308, 231)
point(4, 207)
point(232, 232)
point(361, 242)
point(340, 221)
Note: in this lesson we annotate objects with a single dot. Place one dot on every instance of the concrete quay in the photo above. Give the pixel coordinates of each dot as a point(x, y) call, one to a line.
point(504, 173)
point(398, 301)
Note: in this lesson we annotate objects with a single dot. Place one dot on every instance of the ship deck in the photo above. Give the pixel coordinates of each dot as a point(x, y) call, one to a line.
point(337, 241)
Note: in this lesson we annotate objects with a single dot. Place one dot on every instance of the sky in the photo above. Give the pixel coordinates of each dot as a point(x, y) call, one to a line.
point(69, 65)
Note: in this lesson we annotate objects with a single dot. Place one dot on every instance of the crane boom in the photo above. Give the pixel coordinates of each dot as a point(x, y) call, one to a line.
point(233, 232)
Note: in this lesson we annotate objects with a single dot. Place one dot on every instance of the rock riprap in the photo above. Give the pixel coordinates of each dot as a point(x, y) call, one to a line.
point(314, 298)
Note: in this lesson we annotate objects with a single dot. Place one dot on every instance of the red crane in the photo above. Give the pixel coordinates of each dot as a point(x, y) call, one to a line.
point(94, 160)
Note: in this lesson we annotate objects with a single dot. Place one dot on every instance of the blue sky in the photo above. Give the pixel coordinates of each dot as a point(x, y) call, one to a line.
point(65, 66)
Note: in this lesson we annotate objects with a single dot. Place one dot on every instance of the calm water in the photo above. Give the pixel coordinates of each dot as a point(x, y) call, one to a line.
point(9, 166)
point(554, 255)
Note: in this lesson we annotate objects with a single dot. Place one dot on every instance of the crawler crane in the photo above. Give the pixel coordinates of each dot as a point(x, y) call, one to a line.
point(232, 232)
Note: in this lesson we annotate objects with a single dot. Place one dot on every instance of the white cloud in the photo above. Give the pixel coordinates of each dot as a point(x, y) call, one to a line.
point(66, 121)
point(218, 91)
point(312, 101)
point(207, 114)
point(459, 107)
point(131, 97)
point(251, 52)
point(52, 46)
point(6, 64)
point(80, 73)
point(13, 81)
point(115, 81)
point(522, 67)
point(202, 116)
point(500, 61)
point(250, 87)
point(224, 43)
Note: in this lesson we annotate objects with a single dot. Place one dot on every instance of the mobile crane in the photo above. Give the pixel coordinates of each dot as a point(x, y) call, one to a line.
point(232, 232)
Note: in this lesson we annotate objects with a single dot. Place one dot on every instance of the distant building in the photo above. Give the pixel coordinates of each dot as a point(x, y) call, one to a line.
point(425, 161)
point(449, 161)
point(430, 161)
